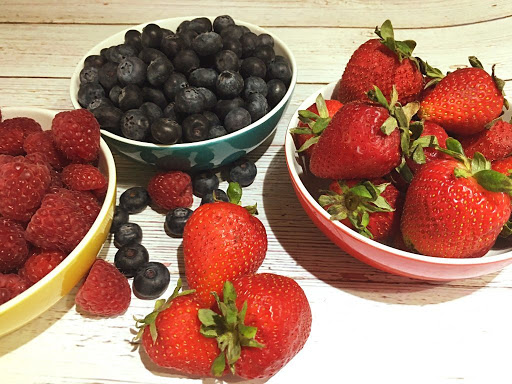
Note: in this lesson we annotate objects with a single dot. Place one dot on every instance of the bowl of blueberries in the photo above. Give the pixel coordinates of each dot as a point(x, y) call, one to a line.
point(186, 93)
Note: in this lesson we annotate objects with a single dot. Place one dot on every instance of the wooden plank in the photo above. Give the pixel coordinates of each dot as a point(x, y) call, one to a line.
point(309, 13)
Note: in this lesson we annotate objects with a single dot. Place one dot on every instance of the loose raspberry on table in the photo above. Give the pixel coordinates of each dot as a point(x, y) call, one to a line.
point(22, 187)
point(42, 142)
point(11, 285)
point(13, 246)
point(170, 190)
point(83, 177)
point(77, 135)
point(13, 133)
point(105, 292)
point(39, 264)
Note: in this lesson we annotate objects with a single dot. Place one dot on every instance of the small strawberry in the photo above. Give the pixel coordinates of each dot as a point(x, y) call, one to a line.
point(169, 190)
point(494, 143)
point(455, 208)
point(430, 129)
point(221, 241)
point(371, 207)
point(503, 166)
point(105, 291)
point(384, 63)
point(264, 321)
point(83, 177)
point(465, 101)
point(39, 264)
point(11, 285)
point(13, 246)
point(171, 338)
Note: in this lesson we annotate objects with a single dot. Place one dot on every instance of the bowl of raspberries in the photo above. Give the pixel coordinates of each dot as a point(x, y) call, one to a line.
point(186, 93)
point(57, 196)
point(405, 167)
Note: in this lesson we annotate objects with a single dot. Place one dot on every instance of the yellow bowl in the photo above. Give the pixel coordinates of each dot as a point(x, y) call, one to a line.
point(46, 292)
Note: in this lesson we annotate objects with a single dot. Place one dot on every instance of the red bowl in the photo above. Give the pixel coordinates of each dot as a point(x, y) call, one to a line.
point(373, 253)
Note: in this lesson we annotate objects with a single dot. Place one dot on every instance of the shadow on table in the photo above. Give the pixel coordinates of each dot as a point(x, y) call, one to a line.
point(328, 263)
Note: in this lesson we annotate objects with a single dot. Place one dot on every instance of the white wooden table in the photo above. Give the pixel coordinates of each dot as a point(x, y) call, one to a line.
point(368, 326)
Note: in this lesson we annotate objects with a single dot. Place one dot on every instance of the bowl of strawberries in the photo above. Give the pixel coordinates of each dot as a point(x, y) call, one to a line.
point(405, 168)
point(57, 196)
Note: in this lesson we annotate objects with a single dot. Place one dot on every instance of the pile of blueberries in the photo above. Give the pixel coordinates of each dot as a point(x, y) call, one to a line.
point(201, 82)
point(152, 278)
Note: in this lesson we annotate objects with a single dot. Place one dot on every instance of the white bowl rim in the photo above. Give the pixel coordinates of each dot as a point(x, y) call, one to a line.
point(290, 159)
point(111, 190)
point(96, 49)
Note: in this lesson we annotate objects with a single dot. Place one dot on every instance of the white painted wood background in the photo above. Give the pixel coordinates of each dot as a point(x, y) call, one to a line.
point(368, 326)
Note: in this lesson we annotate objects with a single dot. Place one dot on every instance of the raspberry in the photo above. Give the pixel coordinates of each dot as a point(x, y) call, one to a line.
point(57, 224)
point(83, 177)
point(55, 181)
point(85, 201)
point(39, 264)
point(22, 187)
point(13, 132)
point(77, 135)
point(11, 285)
point(171, 190)
point(38, 158)
point(5, 158)
point(105, 292)
point(13, 246)
point(42, 142)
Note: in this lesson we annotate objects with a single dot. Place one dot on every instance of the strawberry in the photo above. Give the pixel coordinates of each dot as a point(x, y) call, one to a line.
point(494, 143)
point(221, 241)
point(465, 100)
point(503, 166)
point(264, 321)
point(370, 207)
point(171, 338)
point(455, 208)
point(430, 129)
point(383, 63)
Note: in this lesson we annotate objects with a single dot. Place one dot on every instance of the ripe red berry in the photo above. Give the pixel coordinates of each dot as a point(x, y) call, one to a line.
point(494, 143)
point(171, 190)
point(83, 177)
point(105, 292)
point(13, 132)
point(11, 285)
point(13, 246)
point(42, 142)
point(39, 264)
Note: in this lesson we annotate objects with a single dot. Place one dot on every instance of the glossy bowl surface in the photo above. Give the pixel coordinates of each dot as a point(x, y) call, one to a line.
point(46, 292)
point(204, 154)
point(378, 255)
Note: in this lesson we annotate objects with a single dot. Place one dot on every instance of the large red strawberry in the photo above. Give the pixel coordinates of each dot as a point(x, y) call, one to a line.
point(220, 242)
point(264, 321)
point(494, 143)
point(383, 63)
point(171, 338)
point(372, 207)
point(453, 208)
point(465, 100)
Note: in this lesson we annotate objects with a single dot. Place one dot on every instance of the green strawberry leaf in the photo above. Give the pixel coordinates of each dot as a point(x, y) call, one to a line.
point(323, 112)
point(418, 155)
point(308, 143)
point(301, 131)
point(506, 231)
point(416, 128)
point(219, 365)
point(320, 125)
point(475, 63)
point(206, 316)
point(376, 95)
point(389, 126)
point(404, 171)
point(337, 212)
point(383, 205)
point(494, 181)
point(394, 97)
point(234, 193)
point(405, 140)
point(401, 117)
point(386, 31)
point(461, 173)
point(500, 84)
point(409, 110)
point(308, 114)
point(362, 191)
point(479, 163)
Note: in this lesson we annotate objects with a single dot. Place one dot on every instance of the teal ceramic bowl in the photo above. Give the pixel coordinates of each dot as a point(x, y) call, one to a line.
point(204, 154)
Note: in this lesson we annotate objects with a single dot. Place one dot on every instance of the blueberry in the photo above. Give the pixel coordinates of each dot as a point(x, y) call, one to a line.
point(195, 128)
point(252, 66)
point(151, 36)
point(232, 32)
point(133, 38)
point(207, 43)
point(244, 29)
point(184, 25)
point(175, 221)
point(186, 61)
point(130, 97)
point(229, 84)
point(89, 92)
point(135, 125)
point(265, 53)
point(237, 119)
point(171, 45)
point(166, 130)
point(89, 75)
point(254, 84)
point(187, 36)
point(210, 100)
point(189, 100)
point(215, 195)
point(243, 172)
point(120, 217)
point(126, 50)
point(158, 71)
point(224, 106)
point(176, 82)
point(216, 131)
point(265, 39)
point(130, 257)
point(99, 102)
point(226, 60)
point(276, 91)
point(134, 199)
point(170, 112)
point(212, 117)
point(132, 70)
point(222, 22)
point(204, 182)
point(127, 233)
point(152, 111)
point(234, 46)
point(148, 55)
point(114, 55)
point(94, 61)
point(108, 75)
point(280, 70)
point(108, 117)
point(249, 42)
point(151, 280)
point(203, 77)
point(200, 25)
point(257, 106)
point(154, 95)
point(114, 93)
point(103, 53)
